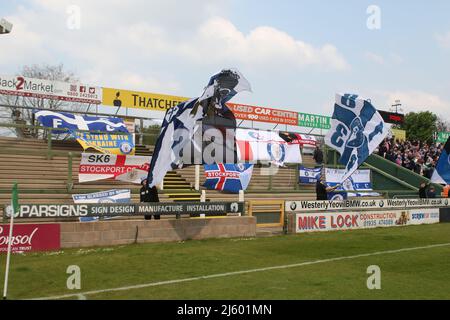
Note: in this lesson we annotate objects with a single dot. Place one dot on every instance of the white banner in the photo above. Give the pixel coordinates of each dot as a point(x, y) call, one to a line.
point(46, 89)
point(94, 166)
point(259, 145)
point(424, 216)
point(109, 196)
point(313, 222)
point(360, 204)
point(360, 180)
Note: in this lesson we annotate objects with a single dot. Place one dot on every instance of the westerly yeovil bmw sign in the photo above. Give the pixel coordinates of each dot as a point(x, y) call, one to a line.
point(111, 210)
point(310, 206)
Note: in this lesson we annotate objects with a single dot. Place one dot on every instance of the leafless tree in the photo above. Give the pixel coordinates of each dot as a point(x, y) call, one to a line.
point(442, 125)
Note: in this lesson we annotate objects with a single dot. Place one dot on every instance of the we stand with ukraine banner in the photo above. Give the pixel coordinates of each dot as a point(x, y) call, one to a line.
point(356, 131)
point(117, 141)
point(114, 143)
point(228, 177)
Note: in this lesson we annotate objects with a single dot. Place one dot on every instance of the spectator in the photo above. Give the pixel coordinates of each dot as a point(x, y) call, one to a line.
point(423, 190)
point(322, 189)
point(149, 195)
point(431, 193)
point(318, 155)
point(417, 156)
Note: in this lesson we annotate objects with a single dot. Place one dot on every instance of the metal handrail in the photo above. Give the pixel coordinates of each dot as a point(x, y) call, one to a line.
point(76, 112)
point(63, 130)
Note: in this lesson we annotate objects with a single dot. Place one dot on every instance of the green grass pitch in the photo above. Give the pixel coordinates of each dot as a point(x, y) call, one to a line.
point(414, 274)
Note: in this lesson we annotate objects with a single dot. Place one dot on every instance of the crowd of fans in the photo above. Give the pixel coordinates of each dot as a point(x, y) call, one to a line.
point(417, 156)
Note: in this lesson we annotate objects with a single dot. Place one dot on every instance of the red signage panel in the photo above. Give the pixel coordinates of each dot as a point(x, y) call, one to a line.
point(31, 237)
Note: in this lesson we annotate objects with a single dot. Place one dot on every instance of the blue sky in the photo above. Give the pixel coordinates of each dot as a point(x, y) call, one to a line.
point(296, 54)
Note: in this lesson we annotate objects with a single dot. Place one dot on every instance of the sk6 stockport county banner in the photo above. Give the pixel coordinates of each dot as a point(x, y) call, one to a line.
point(104, 166)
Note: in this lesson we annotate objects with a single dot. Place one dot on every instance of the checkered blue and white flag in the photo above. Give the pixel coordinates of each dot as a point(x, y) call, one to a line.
point(356, 131)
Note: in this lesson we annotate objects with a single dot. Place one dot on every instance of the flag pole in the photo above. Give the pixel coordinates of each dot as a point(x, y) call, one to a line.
point(14, 202)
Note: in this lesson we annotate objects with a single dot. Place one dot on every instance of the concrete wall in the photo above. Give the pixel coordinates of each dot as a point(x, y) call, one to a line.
point(290, 220)
point(107, 233)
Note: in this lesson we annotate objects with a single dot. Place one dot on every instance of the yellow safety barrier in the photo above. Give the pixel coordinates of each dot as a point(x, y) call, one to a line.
point(263, 209)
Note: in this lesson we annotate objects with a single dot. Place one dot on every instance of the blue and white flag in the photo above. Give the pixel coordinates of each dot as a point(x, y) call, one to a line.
point(228, 177)
point(441, 173)
point(309, 175)
point(357, 185)
point(110, 196)
point(356, 131)
point(337, 196)
point(64, 120)
point(182, 121)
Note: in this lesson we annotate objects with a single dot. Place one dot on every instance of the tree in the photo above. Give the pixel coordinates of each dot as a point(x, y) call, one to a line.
point(442, 125)
point(420, 126)
point(25, 116)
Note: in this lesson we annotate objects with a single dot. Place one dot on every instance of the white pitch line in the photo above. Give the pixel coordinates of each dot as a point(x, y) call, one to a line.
point(227, 274)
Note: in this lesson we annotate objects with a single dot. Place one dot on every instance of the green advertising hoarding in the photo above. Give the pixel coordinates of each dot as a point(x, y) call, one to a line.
point(314, 121)
point(442, 137)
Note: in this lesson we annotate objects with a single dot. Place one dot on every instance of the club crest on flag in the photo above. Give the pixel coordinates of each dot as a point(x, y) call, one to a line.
point(277, 152)
point(126, 147)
